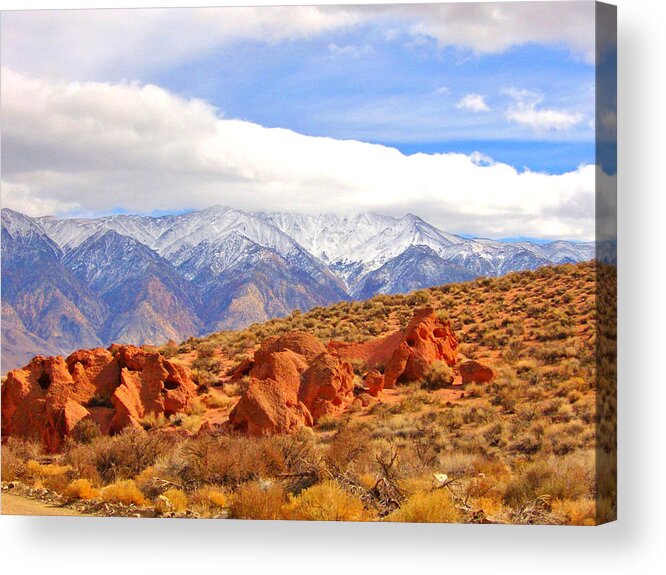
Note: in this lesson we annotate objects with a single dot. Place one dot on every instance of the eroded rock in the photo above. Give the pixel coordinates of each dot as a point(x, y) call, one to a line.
point(116, 387)
point(472, 371)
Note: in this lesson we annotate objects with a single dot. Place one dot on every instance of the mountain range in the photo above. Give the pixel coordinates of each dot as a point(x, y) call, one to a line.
point(69, 283)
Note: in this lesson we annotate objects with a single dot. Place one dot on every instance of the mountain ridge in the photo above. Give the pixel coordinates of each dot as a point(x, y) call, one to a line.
point(146, 279)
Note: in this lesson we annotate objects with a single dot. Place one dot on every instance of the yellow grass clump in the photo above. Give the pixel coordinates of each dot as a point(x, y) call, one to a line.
point(125, 492)
point(326, 501)
point(81, 489)
point(427, 507)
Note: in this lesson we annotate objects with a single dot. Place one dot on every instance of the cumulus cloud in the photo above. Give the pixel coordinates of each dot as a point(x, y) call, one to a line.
point(473, 103)
point(91, 148)
point(491, 27)
point(124, 43)
point(526, 111)
point(102, 44)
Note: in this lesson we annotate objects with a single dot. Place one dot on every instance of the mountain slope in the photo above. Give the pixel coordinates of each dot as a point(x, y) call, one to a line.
point(148, 301)
point(50, 302)
point(417, 267)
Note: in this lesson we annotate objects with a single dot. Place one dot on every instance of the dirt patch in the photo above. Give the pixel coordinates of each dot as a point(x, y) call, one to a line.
point(18, 505)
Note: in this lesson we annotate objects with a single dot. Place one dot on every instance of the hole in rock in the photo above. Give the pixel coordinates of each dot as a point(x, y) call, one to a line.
point(44, 380)
point(171, 383)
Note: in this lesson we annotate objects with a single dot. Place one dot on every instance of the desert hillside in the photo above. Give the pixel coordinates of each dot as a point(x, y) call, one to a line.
point(474, 402)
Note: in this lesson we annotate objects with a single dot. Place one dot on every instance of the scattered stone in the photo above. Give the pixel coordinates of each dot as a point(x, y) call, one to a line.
point(475, 372)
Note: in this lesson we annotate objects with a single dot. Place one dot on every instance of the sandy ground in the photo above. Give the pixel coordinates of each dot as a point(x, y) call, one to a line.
point(17, 505)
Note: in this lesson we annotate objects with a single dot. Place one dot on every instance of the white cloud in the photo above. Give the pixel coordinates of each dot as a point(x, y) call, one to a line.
point(525, 111)
point(491, 27)
point(473, 103)
point(120, 43)
point(95, 147)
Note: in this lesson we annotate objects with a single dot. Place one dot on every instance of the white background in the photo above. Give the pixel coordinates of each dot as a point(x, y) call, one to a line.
point(635, 543)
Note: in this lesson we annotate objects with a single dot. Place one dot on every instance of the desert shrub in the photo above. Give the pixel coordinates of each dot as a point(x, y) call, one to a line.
point(427, 507)
point(325, 502)
point(152, 421)
point(576, 512)
point(257, 501)
point(122, 456)
point(218, 400)
point(86, 431)
point(15, 455)
point(125, 492)
point(329, 422)
point(438, 375)
point(49, 475)
point(81, 489)
point(347, 446)
point(208, 500)
point(560, 477)
point(172, 500)
point(230, 460)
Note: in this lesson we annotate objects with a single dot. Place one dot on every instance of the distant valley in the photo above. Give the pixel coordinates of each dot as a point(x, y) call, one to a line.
point(71, 283)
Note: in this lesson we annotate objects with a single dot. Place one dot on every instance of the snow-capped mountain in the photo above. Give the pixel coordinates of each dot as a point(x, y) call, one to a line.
point(76, 282)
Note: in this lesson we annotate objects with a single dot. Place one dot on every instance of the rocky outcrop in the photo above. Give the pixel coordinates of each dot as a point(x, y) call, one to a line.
point(148, 384)
point(269, 407)
point(373, 353)
point(294, 382)
point(474, 372)
point(115, 387)
point(40, 402)
point(374, 382)
point(327, 386)
point(425, 340)
point(405, 355)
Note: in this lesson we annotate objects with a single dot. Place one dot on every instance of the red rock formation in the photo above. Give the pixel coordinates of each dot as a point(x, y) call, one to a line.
point(475, 372)
point(269, 407)
point(373, 353)
point(327, 386)
point(374, 381)
point(295, 371)
point(39, 402)
point(116, 387)
point(425, 340)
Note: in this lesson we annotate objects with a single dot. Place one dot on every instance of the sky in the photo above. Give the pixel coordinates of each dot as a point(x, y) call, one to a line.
point(477, 117)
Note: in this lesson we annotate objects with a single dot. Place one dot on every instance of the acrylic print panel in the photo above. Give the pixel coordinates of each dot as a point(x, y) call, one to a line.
point(310, 263)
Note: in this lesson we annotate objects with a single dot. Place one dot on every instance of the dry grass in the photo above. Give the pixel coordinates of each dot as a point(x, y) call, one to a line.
point(125, 492)
point(325, 501)
point(81, 489)
point(427, 507)
point(256, 500)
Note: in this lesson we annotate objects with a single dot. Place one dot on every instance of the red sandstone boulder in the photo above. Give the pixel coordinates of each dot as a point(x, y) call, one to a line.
point(475, 372)
point(269, 407)
point(425, 340)
point(374, 381)
point(327, 386)
point(294, 381)
point(116, 387)
point(148, 384)
point(38, 402)
point(299, 342)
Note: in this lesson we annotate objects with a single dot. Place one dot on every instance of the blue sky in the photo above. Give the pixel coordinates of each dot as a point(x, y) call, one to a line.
point(360, 85)
point(477, 117)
